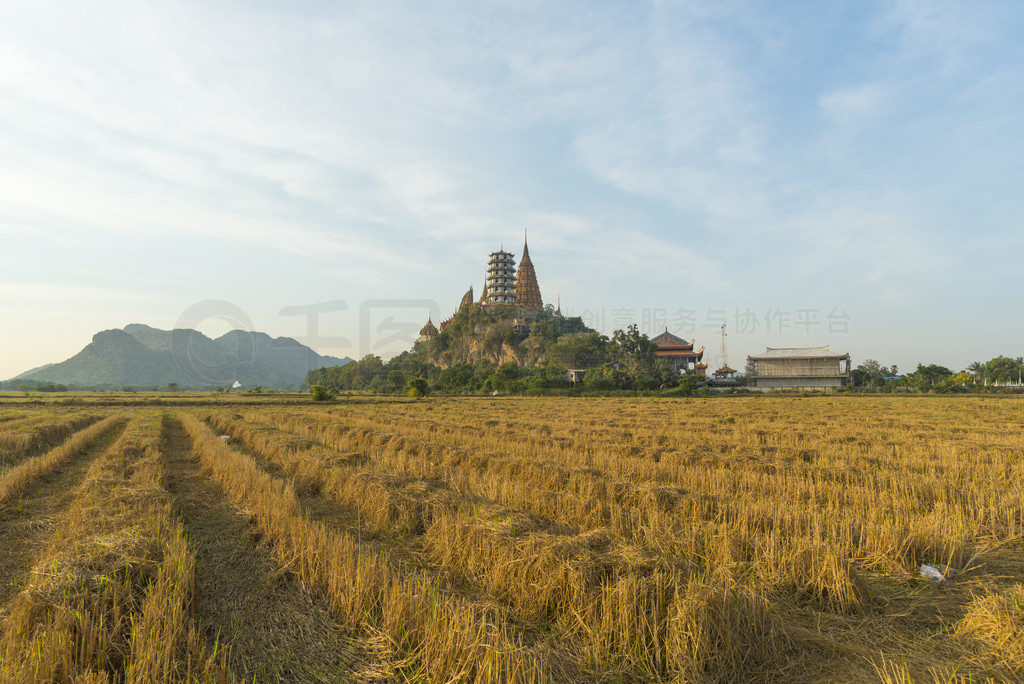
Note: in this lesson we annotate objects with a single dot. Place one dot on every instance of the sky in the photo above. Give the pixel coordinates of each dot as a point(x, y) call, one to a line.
point(845, 173)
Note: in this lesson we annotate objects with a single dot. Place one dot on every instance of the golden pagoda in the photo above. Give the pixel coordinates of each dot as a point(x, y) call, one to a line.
point(527, 289)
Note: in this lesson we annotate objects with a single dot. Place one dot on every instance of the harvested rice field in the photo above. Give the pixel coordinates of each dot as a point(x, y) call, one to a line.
point(744, 539)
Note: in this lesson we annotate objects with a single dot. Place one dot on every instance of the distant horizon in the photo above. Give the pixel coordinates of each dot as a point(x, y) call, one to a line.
point(213, 328)
point(845, 174)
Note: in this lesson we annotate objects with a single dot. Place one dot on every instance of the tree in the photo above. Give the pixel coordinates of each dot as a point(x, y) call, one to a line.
point(482, 371)
point(688, 383)
point(418, 387)
point(963, 379)
point(577, 351)
point(977, 369)
point(871, 372)
point(634, 354)
point(1002, 369)
point(598, 379)
point(320, 393)
point(368, 367)
point(457, 377)
point(929, 377)
point(548, 377)
point(395, 381)
point(504, 378)
point(664, 376)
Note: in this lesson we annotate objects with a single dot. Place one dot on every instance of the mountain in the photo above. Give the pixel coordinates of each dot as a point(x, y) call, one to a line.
point(30, 372)
point(140, 355)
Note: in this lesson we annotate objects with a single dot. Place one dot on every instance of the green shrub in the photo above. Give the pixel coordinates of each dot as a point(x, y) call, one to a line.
point(418, 387)
point(321, 393)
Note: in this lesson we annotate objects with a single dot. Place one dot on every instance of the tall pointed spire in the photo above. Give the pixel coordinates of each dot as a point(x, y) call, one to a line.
point(527, 289)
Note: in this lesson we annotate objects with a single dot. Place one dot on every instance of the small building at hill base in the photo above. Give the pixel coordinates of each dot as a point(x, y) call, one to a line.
point(680, 354)
point(723, 377)
point(798, 368)
point(575, 375)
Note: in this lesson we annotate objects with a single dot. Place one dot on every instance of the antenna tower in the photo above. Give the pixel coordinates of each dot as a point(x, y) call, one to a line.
point(725, 356)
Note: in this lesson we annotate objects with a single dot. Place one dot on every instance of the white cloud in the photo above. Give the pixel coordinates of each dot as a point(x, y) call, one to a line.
point(944, 32)
point(857, 105)
point(698, 148)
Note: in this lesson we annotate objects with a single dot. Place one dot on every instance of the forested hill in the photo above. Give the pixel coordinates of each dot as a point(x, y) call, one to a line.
point(495, 334)
point(486, 349)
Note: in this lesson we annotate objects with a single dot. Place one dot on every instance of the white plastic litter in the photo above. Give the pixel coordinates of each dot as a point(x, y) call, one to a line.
point(933, 573)
point(225, 437)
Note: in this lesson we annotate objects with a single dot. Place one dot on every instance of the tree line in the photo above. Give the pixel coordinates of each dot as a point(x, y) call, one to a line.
point(624, 361)
point(992, 375)
point(23, 385)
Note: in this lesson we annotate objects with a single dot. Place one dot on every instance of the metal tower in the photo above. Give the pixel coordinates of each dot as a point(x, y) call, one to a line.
point(725, 355)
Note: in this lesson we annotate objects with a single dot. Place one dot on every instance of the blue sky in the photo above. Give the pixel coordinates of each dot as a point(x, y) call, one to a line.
point(843, 173)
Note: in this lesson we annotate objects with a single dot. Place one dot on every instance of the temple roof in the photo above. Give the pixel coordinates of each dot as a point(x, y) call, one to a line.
point(428, 330)
point(667, 339)
point(799, 353)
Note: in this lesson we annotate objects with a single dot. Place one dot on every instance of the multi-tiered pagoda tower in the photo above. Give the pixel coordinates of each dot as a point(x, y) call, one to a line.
point(500, 286)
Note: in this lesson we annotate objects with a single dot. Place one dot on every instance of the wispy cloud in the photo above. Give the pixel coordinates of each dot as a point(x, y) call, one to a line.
point(733, 149)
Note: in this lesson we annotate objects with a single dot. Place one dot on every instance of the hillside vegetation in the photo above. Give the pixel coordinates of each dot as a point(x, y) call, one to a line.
point(487, 349)
point(479, 333)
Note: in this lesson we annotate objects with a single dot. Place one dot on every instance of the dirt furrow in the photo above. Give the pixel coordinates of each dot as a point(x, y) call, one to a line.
point(26, 525)
point(245, 600)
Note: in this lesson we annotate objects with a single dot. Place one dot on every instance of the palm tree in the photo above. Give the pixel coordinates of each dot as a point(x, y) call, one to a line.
point(977, 369)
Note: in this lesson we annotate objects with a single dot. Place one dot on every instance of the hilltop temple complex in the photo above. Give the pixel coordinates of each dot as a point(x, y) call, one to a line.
point(505, 285)
point(514, 294)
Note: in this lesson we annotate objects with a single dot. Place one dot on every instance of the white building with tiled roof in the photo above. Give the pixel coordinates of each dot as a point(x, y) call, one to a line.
point(798, 368)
